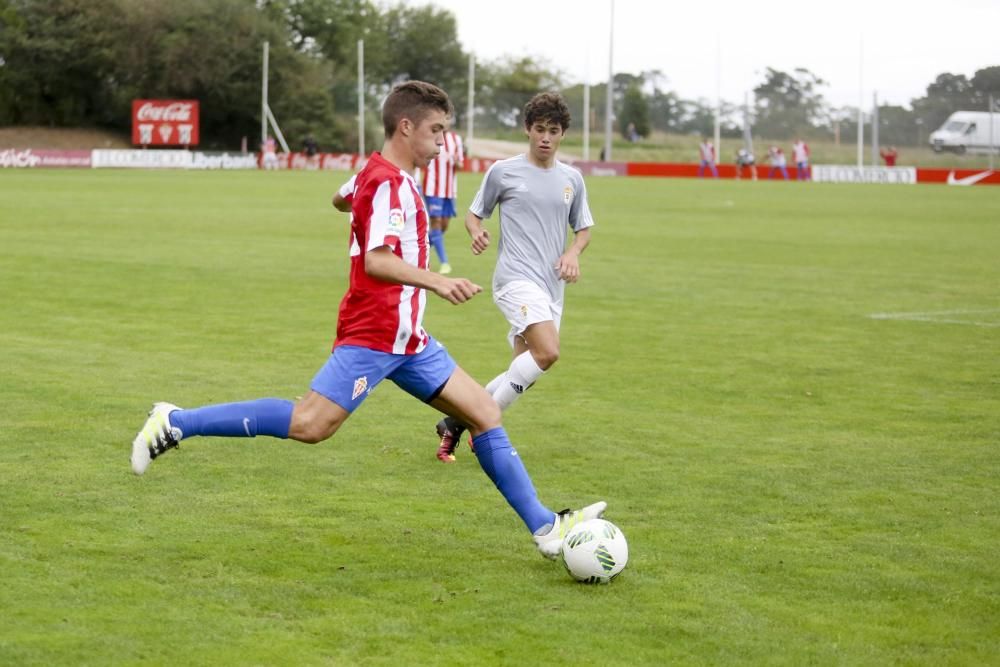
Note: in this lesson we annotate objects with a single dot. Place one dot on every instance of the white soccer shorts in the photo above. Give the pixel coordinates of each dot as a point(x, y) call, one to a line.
point(524, 303)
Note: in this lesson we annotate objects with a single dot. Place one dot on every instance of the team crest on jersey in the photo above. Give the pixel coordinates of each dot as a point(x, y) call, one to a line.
point(568, 194)
point(396, 220)
point(360, 385)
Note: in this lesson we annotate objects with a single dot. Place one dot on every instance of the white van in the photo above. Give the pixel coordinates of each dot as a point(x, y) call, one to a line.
point(967, 131)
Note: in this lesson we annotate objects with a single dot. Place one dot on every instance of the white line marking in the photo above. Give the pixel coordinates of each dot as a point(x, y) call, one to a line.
point(938, 316)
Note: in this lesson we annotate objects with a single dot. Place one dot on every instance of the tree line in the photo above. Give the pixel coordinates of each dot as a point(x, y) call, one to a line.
point(72, 63)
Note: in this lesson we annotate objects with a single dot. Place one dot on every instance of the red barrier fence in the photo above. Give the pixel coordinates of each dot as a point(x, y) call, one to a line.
point(959, 176)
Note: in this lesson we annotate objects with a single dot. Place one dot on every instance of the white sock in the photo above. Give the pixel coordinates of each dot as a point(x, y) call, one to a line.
point(522, 374)
point(491, 388)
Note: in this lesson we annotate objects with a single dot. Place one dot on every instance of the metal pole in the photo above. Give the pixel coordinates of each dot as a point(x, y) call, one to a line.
point(277, 131)
point(470, 121)
point(718, 98)
point(361, 97)
point(611, 84)
point(861, 104)
point(993, 143)
point(263, 99)
point(747, 130)
point(875, 129)
point(586, 106)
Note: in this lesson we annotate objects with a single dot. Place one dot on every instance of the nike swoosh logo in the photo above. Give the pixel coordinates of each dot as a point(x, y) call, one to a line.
point(968, 180)
point(246, 426)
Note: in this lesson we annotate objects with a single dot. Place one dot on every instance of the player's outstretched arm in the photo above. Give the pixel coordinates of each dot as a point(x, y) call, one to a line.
point(568, 264)
point(480, 235)
point(381, 263)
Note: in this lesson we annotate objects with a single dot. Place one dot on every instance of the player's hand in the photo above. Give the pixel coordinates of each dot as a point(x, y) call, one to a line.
point(480, 241)
point(457, 290)
point(568, 267)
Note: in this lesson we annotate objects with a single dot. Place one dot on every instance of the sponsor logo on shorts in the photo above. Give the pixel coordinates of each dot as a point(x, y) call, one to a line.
point(360, 385)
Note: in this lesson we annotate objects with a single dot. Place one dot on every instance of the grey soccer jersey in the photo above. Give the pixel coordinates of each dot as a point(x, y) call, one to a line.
point(536, 205)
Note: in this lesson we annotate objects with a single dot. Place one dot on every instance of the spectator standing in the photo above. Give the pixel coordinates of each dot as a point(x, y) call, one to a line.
point(776, 156)
point(270, 158)
point(800, 153)
point(744, 158)
point(889, 155)
point(311, 149)
point(706, 154)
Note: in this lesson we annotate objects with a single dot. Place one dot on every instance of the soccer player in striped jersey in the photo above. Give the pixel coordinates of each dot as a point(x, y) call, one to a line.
point(440, 186)
point(380, 333)
point(539, 197)
point(706, 155)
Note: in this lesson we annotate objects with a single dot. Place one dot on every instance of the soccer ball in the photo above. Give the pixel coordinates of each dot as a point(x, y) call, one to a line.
point(594, 551)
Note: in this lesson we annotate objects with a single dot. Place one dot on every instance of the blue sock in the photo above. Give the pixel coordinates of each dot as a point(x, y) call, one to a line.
point(437, 240)
point(500, 462)
point(266, 416)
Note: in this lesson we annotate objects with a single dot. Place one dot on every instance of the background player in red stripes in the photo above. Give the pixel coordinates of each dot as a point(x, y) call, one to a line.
point(440, 186)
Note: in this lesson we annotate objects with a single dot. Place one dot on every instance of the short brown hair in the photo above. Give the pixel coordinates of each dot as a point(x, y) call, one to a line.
point(413, 100)
point(550, 107)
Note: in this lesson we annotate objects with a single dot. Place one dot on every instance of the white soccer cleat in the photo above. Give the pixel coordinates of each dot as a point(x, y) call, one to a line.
point(155, 438)
point(550, 544)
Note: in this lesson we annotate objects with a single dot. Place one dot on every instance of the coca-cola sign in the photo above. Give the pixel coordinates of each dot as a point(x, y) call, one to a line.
point(165, 122)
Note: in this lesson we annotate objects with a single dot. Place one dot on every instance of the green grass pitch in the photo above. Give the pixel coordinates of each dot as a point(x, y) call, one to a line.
point(789, 395)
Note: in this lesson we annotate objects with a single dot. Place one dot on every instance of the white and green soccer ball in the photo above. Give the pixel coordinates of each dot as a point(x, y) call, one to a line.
point(594, 551)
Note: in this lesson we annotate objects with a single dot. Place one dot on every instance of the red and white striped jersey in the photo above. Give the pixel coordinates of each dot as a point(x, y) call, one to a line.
point(800, 151)
point(707, 151)
point(440, 176)
point(386, 210)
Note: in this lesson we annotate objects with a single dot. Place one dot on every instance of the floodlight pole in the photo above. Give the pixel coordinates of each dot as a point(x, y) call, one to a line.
point(861, 103)
point(586, 107)
point(875, 144)
point(993, 143)
point(470, 121)
point(263, 99)
point(611, 85)
point(747, 129)
point(361, 97)
point(718, 99)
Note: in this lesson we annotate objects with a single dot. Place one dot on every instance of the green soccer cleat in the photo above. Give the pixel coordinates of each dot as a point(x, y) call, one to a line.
point(155, 438)
point(550, 543)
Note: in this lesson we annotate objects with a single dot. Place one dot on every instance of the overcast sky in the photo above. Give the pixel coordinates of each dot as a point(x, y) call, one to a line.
point(892, 47)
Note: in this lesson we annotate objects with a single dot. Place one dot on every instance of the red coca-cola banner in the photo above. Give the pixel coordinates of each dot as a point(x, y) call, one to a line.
point(165, 122)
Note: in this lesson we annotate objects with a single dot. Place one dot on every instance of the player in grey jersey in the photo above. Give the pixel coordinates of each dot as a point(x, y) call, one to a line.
point(538, 197)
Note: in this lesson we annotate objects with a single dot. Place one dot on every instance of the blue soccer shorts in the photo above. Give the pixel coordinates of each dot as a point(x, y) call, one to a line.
point(440, 207)
point(352, 372)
